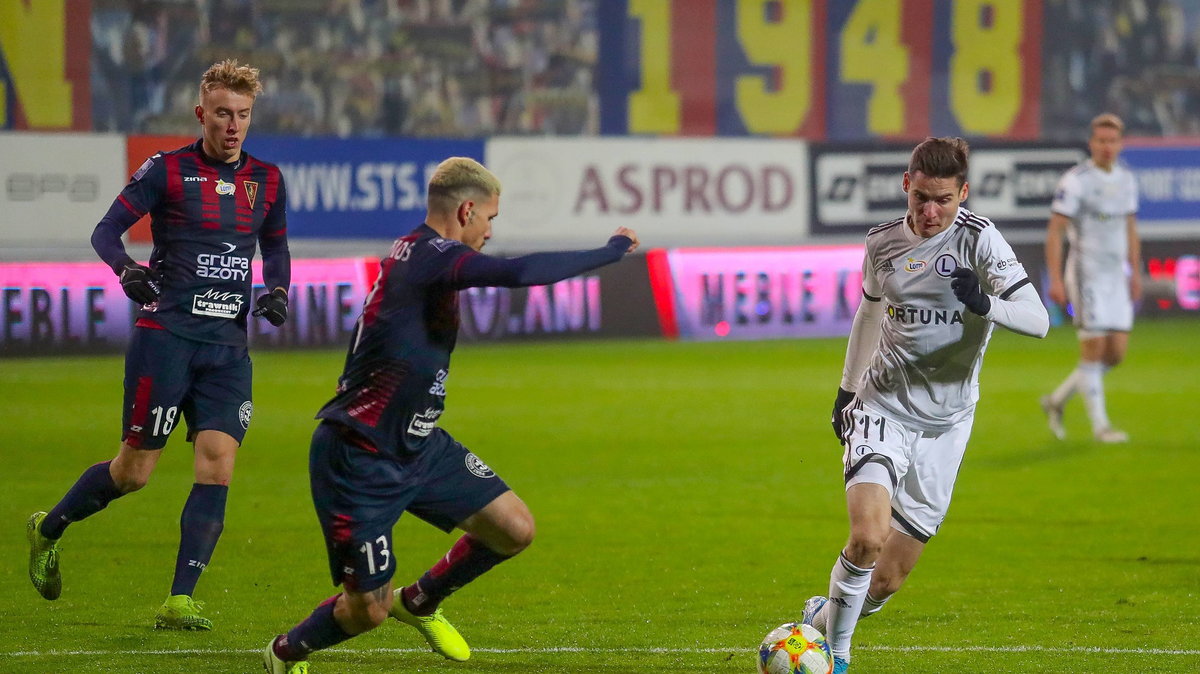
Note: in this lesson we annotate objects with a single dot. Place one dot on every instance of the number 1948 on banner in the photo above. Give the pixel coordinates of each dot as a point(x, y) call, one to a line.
point(821, 69)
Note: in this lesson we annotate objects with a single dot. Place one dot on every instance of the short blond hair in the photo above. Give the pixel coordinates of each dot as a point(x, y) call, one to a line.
point(1108, 120)
point(240, 79)
point(460, 179)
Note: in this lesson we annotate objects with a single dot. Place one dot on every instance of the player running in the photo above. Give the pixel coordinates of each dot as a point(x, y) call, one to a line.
point(378, 451)
point(1096, 205)
point(210, 204)
point(934, 283)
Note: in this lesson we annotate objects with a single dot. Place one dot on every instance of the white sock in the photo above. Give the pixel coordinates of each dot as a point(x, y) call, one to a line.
point(848, 586)
point(1066, 389)
point(1092, 387)
point(871, 605)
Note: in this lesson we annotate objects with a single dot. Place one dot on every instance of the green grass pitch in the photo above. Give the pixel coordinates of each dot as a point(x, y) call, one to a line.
point(688, 499)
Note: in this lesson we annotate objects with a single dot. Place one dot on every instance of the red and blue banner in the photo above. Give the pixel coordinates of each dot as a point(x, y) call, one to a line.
point(847, 70)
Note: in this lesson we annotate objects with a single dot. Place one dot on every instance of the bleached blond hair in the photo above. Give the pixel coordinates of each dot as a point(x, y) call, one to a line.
point(227, 74)
point(460, 179)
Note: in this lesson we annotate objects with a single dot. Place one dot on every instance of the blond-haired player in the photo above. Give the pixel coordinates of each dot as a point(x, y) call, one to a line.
point(1095, 206)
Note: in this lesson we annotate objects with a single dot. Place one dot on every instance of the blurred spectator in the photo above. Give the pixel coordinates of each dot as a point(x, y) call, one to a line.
point(446, 68)
point(1136, 58)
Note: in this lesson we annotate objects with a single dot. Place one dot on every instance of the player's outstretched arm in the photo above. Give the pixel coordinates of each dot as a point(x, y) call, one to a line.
point(541, 268)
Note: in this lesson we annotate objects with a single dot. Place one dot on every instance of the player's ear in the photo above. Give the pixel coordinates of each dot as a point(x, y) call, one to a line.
point(200, 113)
point(463, 214)
point(906, 182)
point(962, 194)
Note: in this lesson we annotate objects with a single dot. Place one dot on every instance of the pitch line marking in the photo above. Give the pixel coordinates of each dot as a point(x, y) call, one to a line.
point(579, 649)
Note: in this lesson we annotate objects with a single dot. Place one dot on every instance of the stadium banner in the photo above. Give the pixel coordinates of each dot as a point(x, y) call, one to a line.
point(60, 187)
point(612, 301)
point(856, 187)
point(356, 187)
point(1170, 278)
point(1168, 177)
point(756, 293)
point(573, 193)
point(847, 70)
point(45, 65)
point(53, 308)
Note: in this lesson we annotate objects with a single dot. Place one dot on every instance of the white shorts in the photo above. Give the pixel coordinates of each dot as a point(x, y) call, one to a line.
point(918, 468)
point(1101, 301)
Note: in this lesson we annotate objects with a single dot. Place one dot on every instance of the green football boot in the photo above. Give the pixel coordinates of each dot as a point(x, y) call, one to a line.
point(274, 665)
point(43, 559)
point(181, 612)
point(438, 632)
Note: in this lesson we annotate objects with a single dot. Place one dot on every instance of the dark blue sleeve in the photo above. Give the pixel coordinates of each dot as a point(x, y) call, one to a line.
point(475, 270)
point(143, 193)
point(272, 241)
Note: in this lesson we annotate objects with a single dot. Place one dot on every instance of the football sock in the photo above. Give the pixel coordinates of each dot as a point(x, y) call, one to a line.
point(200, 526)
point(467, 560)
point(318, 631)
point(1092, 388)
point(847, 590)
point(89, 495)
point(1066, 389)
point(871, 605)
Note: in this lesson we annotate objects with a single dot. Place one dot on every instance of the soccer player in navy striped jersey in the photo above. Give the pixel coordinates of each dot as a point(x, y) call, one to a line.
point(210, 204)
point(379, 452)
point(934, 284)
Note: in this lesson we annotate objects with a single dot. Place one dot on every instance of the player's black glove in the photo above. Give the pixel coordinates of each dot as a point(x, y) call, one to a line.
point(966, 288)
point(843, 398)
point(273, 307)
point(141, 284)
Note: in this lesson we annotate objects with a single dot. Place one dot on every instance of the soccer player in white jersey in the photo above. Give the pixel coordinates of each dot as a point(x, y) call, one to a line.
point(934, 283)
point(1096, 205)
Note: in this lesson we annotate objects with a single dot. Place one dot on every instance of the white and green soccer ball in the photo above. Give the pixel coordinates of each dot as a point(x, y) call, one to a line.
point(795, 648)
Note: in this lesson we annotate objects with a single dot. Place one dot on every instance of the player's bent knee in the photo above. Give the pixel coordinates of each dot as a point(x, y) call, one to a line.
point(520, 535)
point(864, 549)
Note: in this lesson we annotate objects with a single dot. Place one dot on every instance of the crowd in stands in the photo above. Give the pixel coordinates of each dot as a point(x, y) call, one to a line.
point(439, 68)
point(1137, 58)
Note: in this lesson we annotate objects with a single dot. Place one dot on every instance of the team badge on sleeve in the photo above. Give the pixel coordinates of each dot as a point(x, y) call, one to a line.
point(137, 175)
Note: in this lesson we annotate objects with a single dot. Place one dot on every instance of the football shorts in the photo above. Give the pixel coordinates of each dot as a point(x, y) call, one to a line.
point(918, 468)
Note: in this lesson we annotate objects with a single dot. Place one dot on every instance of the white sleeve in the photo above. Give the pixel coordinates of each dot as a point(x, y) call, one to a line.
point(866, 329)
point(1067, 196)
point(1022, 311)
point(999, 270)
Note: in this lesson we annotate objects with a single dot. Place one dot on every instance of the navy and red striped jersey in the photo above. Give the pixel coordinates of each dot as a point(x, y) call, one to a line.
point(207, 217)
point(393, 387)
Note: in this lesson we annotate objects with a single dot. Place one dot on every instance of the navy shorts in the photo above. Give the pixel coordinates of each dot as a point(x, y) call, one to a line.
point(167, 376)
point(359, 496)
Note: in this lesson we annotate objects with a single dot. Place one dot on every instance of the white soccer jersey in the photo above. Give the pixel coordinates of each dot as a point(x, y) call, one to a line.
point(1097, 202)
point(926, 369)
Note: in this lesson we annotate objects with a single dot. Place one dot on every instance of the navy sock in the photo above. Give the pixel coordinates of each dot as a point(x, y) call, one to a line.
point(89, 495)
point(200, 526)
point(467, 560)
point(318, 631)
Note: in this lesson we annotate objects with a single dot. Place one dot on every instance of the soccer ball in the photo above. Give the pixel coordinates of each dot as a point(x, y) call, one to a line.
point(795, 648)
